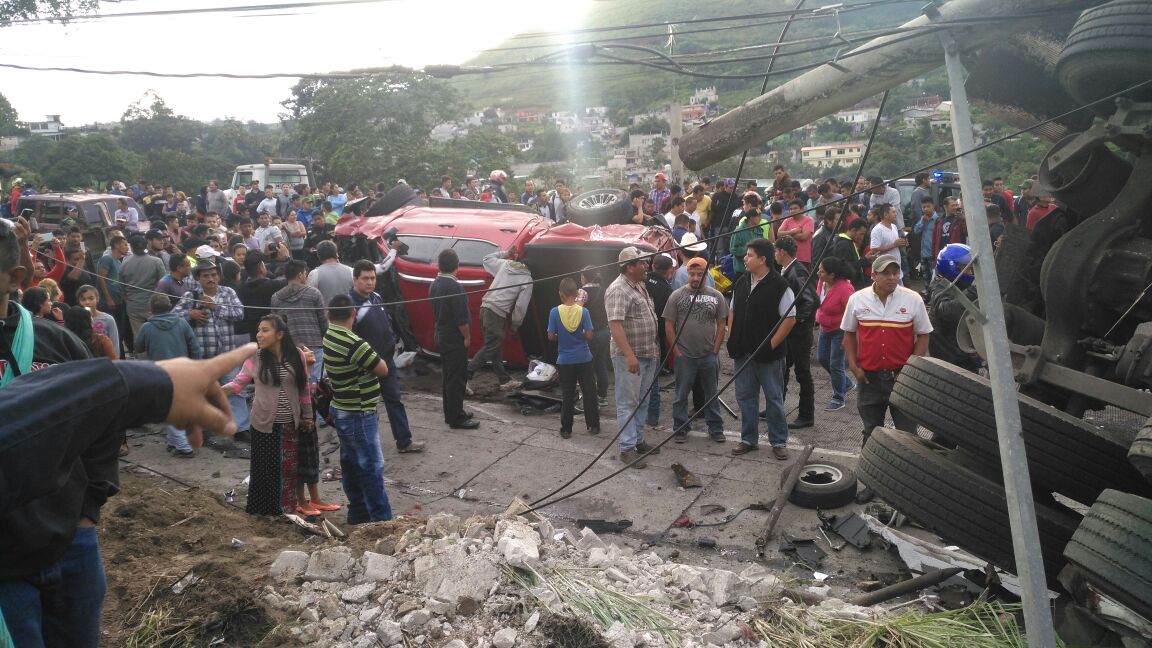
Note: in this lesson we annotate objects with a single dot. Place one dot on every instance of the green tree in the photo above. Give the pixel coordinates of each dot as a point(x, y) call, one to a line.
point(29, 9)
point(76, 162)
point(481, 150)
point(150, 125)
point(370, 129)
point(9, 120)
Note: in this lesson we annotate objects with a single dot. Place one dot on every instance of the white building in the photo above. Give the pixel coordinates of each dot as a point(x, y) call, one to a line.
point(837, 154)
point(52, 127)
point(704, 96)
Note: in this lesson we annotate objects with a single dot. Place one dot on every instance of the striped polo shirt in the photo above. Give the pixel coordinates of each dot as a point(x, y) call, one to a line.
point(885, 331)
point(349, 361)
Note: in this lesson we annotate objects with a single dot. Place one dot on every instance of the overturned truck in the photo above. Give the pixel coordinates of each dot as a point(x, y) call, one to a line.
point(1076, 288)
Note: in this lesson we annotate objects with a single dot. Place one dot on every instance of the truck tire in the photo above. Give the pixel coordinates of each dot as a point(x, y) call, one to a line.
point(600, 207)
point(1107, 51)
point(1065, 454)
point(1140, 454)
point(921, 480)
point(397, 197)
point(824, 485)
point(1113, 545)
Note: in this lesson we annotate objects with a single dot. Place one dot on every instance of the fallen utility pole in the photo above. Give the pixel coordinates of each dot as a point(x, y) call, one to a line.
point(1009, 432)
point(782, 497)
point(884, 63)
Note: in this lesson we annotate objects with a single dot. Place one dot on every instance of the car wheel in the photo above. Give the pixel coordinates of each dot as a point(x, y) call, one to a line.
point(920, 479)
point(824, 485)
point(1065, 454)
point(397, 197)
point(1107, 51)
point(600, 207)
point(1140, 454)
point(1113, 545)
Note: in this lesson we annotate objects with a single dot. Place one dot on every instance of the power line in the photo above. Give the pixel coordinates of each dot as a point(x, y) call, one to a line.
point(204, 10)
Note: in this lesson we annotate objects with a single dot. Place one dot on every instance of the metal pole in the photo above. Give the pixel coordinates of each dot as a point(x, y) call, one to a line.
point(1021, 511)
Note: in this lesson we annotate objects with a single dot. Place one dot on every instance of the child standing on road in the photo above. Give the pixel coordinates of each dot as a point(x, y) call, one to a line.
point(164, 336)
point(570, 325)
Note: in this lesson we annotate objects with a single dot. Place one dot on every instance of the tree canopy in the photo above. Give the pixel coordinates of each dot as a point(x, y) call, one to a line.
point(30, 9)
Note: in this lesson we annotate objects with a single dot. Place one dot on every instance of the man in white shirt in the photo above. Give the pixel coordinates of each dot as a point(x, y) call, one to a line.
point(882, 194)
point(127, 217)
point(675, 208)
point(268, 205)
point(267, 233)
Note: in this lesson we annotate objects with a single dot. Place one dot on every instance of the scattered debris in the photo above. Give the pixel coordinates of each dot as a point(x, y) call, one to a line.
point(184, 583)
point(851, 527)
point(906, 587)
point(807, 552)
point(684, 477)
point(604, 526)
point(782, 497)
point(712, 509)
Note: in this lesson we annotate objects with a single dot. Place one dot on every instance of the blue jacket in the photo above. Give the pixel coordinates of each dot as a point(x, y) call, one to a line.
point(166, 336)
point(925, 231)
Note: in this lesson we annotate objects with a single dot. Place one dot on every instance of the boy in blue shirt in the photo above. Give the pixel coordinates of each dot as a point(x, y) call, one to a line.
point(570, 325)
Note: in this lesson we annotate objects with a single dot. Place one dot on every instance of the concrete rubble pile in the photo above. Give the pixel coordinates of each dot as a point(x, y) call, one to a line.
point(447, 584)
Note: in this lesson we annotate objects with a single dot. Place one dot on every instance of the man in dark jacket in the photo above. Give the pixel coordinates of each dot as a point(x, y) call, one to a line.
point(659, 289)
point(846, 245)
point(256, 293)
point(800, 339)
point(761, 299)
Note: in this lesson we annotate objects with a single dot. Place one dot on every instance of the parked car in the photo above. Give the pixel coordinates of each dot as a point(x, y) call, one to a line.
point(93, 213)
point(474, 231)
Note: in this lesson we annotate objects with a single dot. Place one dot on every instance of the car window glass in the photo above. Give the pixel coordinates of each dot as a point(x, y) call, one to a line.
point(278, 178)
point(51, 211)
point(242, 179)
point(421, 249)
point(93, 213)
point(472, 252)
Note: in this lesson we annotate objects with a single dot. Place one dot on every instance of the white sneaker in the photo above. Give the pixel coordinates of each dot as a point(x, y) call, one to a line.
point(468, 389)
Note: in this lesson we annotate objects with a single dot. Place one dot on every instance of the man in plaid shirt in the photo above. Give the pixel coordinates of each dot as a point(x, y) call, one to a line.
point(211, 310)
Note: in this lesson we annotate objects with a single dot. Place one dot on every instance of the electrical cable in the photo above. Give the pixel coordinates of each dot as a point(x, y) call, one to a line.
point(620, 426)
point(934, 165)
point(751, 355)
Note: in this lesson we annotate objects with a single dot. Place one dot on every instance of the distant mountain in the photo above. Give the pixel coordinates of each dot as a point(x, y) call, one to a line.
point(633, 88)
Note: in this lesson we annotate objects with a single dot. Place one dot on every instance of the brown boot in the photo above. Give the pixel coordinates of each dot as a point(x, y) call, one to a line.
point(632, 457)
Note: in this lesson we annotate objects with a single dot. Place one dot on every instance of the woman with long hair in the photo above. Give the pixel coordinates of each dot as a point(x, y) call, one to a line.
point(79, 320)
point(835, 288)
point(285, 453)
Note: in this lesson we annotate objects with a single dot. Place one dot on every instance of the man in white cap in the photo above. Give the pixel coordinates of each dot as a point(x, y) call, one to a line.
point(635, 351)
point(883, 325)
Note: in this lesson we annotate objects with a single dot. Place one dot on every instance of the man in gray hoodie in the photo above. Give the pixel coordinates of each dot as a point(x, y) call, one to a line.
point(504, 305)
point(164, 336)
point(302, 306)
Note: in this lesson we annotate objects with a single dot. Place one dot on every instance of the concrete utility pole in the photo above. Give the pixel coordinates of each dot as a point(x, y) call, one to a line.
point(677, 123)
point(885, 63)
point(1013, 462)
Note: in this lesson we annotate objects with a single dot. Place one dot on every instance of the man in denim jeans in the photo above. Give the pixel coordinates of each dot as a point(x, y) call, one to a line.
point(635, 352)
point(353, 367)
point(760, 299)
point(695, 317)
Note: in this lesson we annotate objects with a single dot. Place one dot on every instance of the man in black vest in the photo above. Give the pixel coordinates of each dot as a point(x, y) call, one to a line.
point(761, 298)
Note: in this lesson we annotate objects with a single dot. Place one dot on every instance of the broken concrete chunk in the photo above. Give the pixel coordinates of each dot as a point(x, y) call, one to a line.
point(358, 593)
point(415, 620)
point(389, 633)
point(726, 587)
point(367, 640)
point(518, 542)
point(442, 525)
point(455, 574)
point(616, 575)
point(530, 624)
point(619, 636)
point(288, 566)
point(332, 565)
point(456, 643)
point(330, 608)
point(723, 635)
point(378, 567)
point(504, 638)
point(589, 539)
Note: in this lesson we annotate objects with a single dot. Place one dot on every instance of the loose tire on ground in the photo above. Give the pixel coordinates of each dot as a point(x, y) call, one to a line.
point(1140, 455)
point(1113, 545)
point(920, 479)
point(1109, 49)
point(824, 485)
point(600, 207)
point(1065, 454)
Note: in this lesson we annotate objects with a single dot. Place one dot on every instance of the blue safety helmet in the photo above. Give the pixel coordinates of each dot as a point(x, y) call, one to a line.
point(952, 260)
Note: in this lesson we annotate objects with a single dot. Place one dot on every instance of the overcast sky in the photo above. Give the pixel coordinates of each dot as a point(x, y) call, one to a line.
point(322, 39)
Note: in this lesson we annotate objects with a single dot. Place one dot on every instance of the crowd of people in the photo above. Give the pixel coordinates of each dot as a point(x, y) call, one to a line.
point(209, 277)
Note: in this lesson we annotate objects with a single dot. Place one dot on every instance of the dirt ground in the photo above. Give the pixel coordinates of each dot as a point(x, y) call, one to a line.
point(156, 533)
